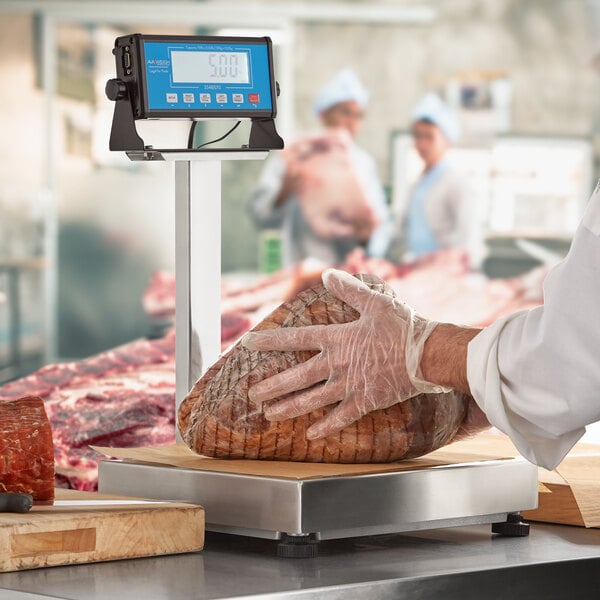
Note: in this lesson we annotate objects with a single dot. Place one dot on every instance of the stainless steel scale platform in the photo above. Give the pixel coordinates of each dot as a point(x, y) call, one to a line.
point(307, 510)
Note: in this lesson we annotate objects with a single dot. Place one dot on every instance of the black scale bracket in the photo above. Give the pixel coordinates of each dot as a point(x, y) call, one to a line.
point(124, 136)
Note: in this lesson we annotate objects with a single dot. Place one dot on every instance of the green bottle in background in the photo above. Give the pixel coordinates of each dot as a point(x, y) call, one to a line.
point(270, 250)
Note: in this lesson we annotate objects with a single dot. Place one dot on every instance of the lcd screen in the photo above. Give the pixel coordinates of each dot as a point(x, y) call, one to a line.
point(210, 67)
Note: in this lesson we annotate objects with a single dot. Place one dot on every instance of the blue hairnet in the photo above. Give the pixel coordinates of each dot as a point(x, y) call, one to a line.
point(432, 108)
point(343, 87)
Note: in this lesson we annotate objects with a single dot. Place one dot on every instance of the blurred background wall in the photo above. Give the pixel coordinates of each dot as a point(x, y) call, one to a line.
point(83, 229)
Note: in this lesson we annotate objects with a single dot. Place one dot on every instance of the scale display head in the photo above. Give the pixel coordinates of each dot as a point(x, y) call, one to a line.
point(194, 77)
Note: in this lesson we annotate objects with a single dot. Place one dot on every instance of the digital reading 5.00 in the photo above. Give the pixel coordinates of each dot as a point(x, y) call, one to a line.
point(209, 67)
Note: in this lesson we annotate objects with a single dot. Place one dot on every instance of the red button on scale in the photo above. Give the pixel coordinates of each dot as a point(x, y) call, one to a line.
point(253, 98)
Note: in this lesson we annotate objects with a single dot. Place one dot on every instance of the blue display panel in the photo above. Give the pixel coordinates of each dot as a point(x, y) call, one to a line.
point(182, 76)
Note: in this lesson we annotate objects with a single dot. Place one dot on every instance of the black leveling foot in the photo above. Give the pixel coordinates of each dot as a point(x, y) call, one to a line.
point(514, 526)
point(297, 546)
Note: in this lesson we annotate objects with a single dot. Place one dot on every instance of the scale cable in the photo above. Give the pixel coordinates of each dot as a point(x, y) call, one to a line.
point(193, 130)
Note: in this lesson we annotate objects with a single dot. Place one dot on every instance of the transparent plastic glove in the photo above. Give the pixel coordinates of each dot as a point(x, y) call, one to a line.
point(364, 365)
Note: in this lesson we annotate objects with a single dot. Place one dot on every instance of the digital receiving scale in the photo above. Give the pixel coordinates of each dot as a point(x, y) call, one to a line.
point(198, 77)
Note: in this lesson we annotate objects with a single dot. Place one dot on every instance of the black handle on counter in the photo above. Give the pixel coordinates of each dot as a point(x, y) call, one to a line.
point(15, 502)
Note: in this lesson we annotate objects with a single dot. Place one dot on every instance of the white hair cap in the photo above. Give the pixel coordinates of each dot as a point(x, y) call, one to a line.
point(432, 108)
point(343, 87)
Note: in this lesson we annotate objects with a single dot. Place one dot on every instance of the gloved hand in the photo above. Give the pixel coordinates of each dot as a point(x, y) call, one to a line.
point(364, 365)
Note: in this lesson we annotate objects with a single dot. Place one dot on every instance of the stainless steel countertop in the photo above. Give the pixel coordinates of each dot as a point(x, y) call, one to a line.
point(463, 562)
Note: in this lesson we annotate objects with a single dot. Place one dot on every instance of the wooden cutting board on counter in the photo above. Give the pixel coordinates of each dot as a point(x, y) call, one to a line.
point(83, 527)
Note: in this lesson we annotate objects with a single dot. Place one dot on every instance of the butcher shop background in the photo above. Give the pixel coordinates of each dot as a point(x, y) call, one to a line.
point(83, 230)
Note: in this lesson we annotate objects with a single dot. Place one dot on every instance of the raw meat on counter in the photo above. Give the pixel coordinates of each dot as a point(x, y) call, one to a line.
point(439, 286)
point(217, 419)
point(26, 449)
point(121, 398)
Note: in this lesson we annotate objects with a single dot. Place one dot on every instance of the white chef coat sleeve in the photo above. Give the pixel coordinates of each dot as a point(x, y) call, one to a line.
point(261, 204)
point(536, 374)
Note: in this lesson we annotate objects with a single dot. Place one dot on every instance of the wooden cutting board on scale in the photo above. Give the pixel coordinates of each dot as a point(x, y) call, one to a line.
point(83, 527)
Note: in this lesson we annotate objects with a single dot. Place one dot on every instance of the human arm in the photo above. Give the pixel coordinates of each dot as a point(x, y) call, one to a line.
point(444, 360)
point(294, 174)
point(263, 204)
point(535, 374)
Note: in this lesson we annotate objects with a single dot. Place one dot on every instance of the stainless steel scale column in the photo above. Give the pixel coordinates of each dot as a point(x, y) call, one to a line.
point(198, 261)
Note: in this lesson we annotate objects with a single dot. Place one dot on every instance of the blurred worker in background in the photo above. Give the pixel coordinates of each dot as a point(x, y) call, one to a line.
point(323, 189)
point(440, 212)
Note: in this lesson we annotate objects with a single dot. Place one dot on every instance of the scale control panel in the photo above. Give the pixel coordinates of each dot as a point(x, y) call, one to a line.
point(192, 77)
point(196, 76)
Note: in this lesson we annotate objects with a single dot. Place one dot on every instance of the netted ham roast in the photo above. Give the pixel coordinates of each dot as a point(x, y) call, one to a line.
point(216, 419)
